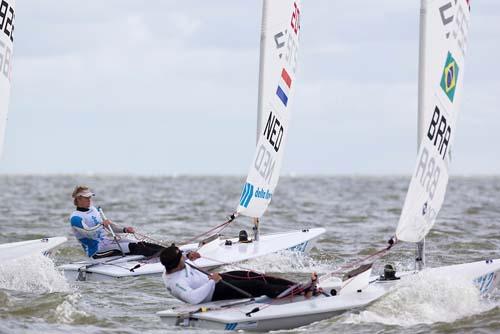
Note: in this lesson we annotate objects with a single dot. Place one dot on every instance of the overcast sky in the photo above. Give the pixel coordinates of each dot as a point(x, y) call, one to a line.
point(170, 87)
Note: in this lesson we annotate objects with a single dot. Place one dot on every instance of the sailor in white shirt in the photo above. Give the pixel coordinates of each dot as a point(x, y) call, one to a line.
point(195, 287)
point(184, 282)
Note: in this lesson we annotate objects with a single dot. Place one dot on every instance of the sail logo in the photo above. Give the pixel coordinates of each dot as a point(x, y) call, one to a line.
point(263, 194)
point(246, 195)
point(450, 77)
point(485, 283)
point(284, 87)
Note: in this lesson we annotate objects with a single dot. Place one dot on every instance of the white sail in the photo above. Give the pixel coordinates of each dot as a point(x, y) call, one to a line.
point(444, 29)
point(279, 52)
point(7, 16)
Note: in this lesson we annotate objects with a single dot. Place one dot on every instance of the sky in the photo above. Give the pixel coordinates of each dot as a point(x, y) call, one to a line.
point(170, 88)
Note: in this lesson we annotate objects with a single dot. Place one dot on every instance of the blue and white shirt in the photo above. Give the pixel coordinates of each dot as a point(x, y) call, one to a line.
point(88, 229)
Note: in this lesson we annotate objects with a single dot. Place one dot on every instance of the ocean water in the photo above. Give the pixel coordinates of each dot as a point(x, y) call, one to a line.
point(359, 213)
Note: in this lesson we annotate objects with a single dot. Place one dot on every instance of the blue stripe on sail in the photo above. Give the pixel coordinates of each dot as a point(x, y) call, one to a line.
point(247, 194)
point(250, 195)
point(243, 194)
point(281, 94)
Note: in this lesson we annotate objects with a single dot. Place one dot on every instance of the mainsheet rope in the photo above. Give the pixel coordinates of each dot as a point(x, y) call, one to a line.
point(220, 227)
point(378, 254)
point(392, 241)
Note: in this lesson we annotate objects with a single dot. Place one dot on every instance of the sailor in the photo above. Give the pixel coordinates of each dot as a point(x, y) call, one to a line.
point(91, 230)
point(194, 287)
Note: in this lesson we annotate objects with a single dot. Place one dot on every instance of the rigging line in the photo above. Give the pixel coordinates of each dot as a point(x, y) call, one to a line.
point(221, 226)
point(232, 264)
point(144, 237)
point(393, 241)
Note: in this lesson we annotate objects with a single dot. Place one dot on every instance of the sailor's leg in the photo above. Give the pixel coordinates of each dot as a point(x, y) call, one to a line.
point(251, 275)
point(108, 245)
point(254, 287)
point(144, 248)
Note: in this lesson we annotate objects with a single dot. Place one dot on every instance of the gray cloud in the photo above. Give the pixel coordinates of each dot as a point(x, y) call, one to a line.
point(171, 87)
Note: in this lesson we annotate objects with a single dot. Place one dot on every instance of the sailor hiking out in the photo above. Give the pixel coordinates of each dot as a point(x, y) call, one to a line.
point(194, 286)
point(91, 228)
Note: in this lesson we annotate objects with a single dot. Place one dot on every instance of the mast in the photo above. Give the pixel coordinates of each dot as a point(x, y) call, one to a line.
point(261, 70)
point(263, 37)
point(420, 246)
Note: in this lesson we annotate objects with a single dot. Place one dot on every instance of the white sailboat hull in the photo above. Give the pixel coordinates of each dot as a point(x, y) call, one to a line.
point(213, 254)
point(273, 315)
point(16, 250)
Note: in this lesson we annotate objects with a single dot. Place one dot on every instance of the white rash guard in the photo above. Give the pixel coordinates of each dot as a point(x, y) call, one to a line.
point(189, 285)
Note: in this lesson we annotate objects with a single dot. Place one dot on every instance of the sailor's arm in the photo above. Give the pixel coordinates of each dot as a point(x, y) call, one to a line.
point(84, 231)
point(116, 228)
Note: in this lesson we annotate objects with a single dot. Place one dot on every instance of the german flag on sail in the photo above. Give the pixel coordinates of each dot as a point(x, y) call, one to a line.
point(284, 87)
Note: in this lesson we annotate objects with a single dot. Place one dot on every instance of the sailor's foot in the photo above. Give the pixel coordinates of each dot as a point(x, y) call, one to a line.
point(314, 278)
point(312, 291)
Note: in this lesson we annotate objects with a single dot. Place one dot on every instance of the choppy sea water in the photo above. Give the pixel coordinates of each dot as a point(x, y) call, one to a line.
point(360, 214)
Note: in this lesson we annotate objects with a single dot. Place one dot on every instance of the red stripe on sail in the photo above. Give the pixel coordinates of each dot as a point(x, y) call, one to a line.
point(286, 78)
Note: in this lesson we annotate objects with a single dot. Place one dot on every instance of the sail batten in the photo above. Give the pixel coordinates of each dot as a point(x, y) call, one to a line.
point(444, 29)
point(278, 65)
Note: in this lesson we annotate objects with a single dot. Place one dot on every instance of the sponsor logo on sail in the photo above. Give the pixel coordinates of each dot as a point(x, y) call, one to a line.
point(450, 77)
point(263, 193)
point(246, 195)
point(231, 326)
point(284, 87)
point(485, 283)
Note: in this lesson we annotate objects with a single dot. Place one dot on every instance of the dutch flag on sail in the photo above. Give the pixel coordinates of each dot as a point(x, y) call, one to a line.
point(284, 87)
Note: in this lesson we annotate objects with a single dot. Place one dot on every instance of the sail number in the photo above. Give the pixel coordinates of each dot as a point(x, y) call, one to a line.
point(264, 162)
point(439, 132)
point(295, 20)
point(429, 172)
point(5, 60)
point(7, 16)
point(459, 23)
point(274, 131)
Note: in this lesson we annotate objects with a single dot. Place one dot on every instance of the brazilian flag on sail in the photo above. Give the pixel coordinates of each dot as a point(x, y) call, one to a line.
point(450, 77)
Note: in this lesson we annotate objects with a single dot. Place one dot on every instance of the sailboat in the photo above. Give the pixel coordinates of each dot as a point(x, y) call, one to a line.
point(277, 72)
point(443, 39)
point(14, 250)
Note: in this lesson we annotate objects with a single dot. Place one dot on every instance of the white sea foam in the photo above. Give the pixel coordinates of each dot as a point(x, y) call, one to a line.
point(67, 312)
point(425, 299)
point(35, 273)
